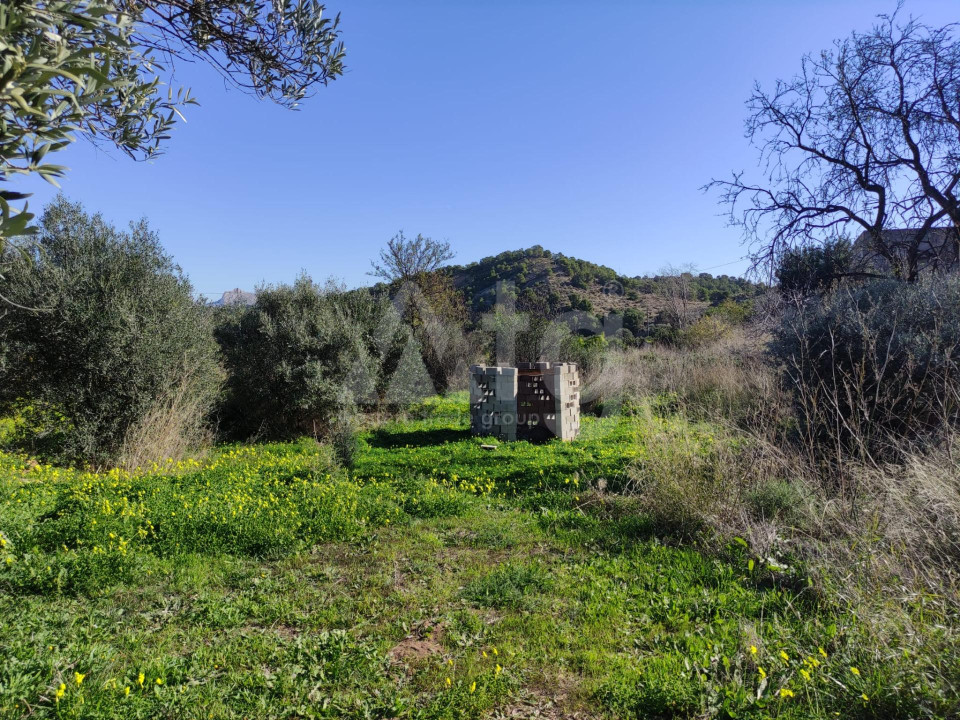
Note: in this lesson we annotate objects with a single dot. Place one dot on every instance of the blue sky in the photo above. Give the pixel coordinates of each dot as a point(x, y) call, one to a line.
point(587, 128)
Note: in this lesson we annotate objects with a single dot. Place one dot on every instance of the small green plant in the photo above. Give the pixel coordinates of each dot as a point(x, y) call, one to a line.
point(775, 498)
point(508, 586)
point(663, 687)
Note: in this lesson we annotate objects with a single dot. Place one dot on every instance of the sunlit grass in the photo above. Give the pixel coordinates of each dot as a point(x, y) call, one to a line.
point(434, 580)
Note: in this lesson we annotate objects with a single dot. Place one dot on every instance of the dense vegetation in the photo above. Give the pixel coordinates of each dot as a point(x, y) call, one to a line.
point(108, 335)
point(279, 510)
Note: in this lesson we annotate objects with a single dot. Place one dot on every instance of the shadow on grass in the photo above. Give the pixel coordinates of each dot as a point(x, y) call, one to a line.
point(419, 438)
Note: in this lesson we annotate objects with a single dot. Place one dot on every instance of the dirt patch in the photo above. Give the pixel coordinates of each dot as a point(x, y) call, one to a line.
point(557, 701)
point(423, 642)
point(287, 632)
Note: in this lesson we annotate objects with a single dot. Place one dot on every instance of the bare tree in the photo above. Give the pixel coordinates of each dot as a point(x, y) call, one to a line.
point(427, 301)
point(405, 260)
point(676, 287)
point(865, 138)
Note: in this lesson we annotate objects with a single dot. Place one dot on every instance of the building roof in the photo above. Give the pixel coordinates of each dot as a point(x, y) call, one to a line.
point(936, 252)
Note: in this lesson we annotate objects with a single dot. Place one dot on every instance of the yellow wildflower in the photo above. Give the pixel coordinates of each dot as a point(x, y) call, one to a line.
point(763, 673)
point(449, 682)
point(473, 686)
point(79, 677)
point(140, 679)
point(786, 693)
point(60, 691)
point(786, 658)
point(864, 696)
point(855, 671)
point(753, 649)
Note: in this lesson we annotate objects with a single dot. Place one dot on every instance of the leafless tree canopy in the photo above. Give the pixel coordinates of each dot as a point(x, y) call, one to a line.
point(866, 138)
point(677, 289)
point(404, 260)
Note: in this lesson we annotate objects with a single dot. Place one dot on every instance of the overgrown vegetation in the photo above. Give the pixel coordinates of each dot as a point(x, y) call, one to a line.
point(108, 337)
point(296, 360)
point(874, 366)
point(736, 533)
point(438, 580)
point(760, 517)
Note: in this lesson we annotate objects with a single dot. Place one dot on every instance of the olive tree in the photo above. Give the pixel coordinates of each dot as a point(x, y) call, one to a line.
point(114, 336)
point(96, 68)
point(297, 360)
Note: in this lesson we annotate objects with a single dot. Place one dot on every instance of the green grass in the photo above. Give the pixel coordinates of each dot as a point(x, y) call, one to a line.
point(435, 580)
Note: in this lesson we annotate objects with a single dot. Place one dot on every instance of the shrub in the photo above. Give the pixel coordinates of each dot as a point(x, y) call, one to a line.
point(296, 360)
point(874, 363)
point(343, 438)
point(113, 335)
point(665, 335)
point(815, 270)
point(633, 320)
point(731, 311)
point(708, 330)
point(774, 498)
point(587, 352)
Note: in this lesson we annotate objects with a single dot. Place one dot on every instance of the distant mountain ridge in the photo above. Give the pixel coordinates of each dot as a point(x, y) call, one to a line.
point(236, 297)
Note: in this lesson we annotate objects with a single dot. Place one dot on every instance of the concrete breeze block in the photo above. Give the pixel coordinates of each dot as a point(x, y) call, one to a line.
point(525, 401)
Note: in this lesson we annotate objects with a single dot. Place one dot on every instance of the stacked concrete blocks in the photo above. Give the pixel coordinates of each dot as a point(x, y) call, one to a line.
point(493, 401)
point(549, 399)
point(531, 401)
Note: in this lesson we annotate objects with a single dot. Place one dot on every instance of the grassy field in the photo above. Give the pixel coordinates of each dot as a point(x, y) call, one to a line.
point(433, 580)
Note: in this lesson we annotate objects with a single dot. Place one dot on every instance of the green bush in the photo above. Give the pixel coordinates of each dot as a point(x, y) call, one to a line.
point(587, 352)
point(775, 498)
point(296, 360)
point(874, 364)
point(707, 330)
point(815, 270)
point(112, 331)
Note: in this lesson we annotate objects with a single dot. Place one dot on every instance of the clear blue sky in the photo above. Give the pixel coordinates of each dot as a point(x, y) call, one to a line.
point(587, 128)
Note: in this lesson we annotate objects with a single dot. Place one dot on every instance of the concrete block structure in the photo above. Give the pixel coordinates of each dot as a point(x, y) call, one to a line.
point(533, 401)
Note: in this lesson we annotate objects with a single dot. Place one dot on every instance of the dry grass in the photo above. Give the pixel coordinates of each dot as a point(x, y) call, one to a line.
point(729, 381)
point(867, 529)
point(175, 428)
point(898, 524)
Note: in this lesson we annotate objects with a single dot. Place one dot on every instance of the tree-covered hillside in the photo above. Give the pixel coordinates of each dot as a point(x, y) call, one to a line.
point(550, 283)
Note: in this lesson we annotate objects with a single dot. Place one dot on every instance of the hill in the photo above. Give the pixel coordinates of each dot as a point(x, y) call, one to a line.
point(550, 283)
